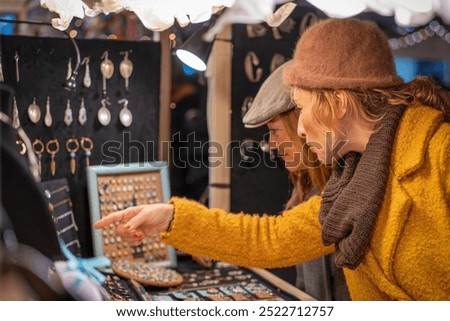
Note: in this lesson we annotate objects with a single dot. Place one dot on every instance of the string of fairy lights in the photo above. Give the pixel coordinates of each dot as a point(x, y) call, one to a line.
point(434, 28)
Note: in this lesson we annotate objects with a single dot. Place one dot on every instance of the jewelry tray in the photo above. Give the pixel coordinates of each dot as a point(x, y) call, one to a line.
point(119, 186)
point(223, 282)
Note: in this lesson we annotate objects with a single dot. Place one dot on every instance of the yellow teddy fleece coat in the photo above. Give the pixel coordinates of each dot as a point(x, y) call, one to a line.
point(409, 254)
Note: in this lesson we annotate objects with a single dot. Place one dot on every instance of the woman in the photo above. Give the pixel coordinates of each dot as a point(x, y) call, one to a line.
point(385, 210)
point(273, 107)
point(319, 277)
point(307, 175)
point(384, 173)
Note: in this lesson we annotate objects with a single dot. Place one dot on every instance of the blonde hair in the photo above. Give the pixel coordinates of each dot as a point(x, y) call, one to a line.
point(365, 104)
point(316, 175)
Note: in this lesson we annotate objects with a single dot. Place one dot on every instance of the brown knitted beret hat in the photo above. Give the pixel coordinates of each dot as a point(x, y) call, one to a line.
point(342, 54)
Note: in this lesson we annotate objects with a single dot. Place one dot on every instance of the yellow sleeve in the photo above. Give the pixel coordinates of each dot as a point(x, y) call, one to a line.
point(445, 161)
point(265, 241)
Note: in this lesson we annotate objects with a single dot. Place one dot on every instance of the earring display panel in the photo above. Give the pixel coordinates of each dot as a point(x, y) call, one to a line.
point(116, 187)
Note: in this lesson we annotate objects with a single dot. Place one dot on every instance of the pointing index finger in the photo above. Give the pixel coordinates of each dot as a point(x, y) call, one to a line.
point(125, 214)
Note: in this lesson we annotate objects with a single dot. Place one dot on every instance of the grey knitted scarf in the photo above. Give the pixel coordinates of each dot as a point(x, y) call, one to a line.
point(353, 196)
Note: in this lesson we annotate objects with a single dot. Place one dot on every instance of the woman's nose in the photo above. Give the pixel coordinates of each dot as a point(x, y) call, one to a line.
point(300, 129)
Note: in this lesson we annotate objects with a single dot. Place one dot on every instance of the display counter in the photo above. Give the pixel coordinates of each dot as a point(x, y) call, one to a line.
point(220, 282)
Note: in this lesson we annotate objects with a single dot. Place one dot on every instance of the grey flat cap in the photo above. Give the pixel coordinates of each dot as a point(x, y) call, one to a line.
point(272, 99)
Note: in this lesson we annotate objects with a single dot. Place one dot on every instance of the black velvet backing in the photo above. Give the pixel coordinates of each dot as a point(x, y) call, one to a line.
point(43, 69)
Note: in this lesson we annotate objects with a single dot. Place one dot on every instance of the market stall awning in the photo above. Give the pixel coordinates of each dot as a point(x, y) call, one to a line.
point(161, 15)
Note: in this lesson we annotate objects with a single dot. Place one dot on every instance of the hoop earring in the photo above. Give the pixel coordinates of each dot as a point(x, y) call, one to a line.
point(32, 159)
point(72, 147)
point(52, 153)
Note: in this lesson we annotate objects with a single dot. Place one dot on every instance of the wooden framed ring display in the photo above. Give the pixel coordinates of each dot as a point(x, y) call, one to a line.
point(147, 273)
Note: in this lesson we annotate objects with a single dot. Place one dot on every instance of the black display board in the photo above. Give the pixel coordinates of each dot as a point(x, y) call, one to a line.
point(43, 64)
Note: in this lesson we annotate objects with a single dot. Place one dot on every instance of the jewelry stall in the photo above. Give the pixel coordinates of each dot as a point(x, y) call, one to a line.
point(91, 110)
point(86, 131)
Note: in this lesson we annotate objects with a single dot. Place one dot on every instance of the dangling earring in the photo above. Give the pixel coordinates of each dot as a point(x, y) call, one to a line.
point(15, 115)
point(126, 68)
point(87, 73)
point(48, 116)
point(82, 117)
point(68, 118)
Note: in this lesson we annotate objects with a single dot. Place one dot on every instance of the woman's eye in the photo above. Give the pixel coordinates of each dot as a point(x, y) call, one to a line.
point(273, 132)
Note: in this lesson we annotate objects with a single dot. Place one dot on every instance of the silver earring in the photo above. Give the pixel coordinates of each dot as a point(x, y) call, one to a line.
point(82, 115)
point(34, 111)
point(126, 68)
point(87, 73)
point(48, 115)
point(125, 116)
point(68, 117)
point(15, 115)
